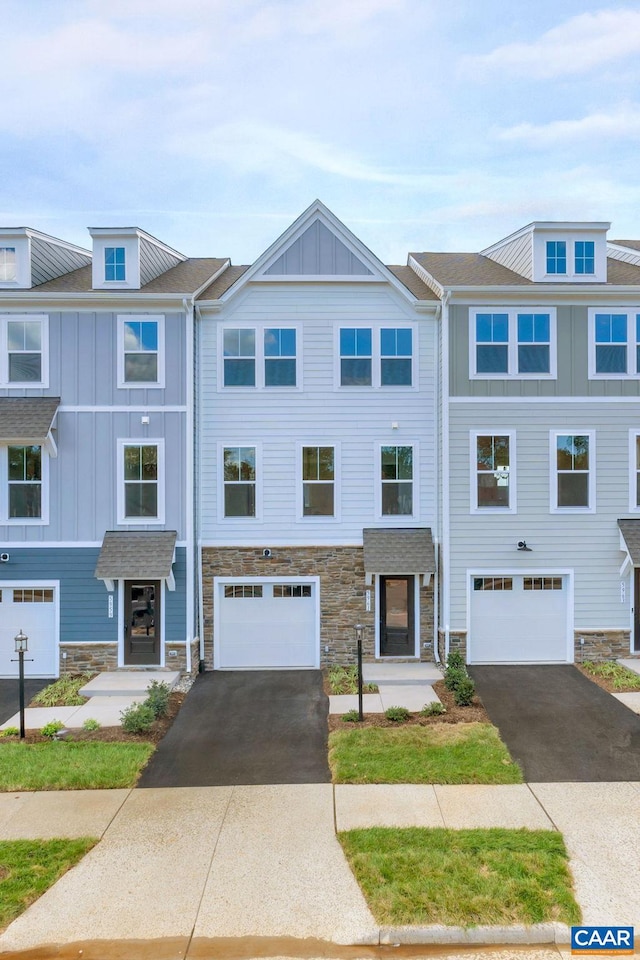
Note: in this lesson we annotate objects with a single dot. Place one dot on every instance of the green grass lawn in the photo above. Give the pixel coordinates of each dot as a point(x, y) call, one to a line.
point(441, 753)
point(462, 877)
point(91, 765)
point(29, 867)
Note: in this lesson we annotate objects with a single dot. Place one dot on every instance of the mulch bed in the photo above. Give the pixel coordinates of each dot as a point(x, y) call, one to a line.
point(115, 734)
point(603, 682)
point(455, 714)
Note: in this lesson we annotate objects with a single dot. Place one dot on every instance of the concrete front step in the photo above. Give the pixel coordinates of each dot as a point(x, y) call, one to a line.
point(401, 673)
point(127, 683)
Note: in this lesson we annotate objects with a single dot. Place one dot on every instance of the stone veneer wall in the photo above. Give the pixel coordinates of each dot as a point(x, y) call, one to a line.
point(457, 642)
point(601, 644)
point(179, 662)
point(88, 658)
point(342, 594)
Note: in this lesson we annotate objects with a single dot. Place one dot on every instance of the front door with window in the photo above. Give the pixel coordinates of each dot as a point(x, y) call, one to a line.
point(141, 622)
point(397, 629)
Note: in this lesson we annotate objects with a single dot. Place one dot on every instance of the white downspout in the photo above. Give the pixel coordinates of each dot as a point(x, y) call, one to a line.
point(198, 317)
point(444, 442)
point(189, 474)
point(436, 541)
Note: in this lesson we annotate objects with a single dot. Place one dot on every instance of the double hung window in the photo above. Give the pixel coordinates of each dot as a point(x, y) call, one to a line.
point(512, 343)
point(492, 481)
point(318, 481)
point(24, 350)
point(239, 478)
point(376, 356)
point(356, 358)
point(614, 343)
point(24, 482)
point(397, 481)
point(140, 351)
point(262, 357)
point(573, 473)
point(141, 495)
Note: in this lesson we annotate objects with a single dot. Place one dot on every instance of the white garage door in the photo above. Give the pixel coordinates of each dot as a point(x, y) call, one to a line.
point(34, 610)
point(518, 619)
point(264, 624)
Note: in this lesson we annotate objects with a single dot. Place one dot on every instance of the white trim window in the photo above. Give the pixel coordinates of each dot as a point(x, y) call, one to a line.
point(140, 351)
point(8, 266)
point(379, 356)
point(614, 343)
point(572, 458)
point(510, 342)
point(141, 486)
point(115, 264)
point(397, 483)
point(24, 348)
point(239, 481)
point(264, 357)
point(634, 470)
point(492, 458)
point(318, 496)
point(25, 480)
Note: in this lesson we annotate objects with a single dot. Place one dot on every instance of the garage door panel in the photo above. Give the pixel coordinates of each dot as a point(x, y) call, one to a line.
point(518, 619)
point(33, 609)
point(267, 625)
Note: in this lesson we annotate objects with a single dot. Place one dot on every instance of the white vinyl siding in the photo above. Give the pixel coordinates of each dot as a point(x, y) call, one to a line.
point(355, 421)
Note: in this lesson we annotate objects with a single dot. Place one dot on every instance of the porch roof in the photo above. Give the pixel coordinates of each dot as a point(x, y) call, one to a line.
point(136, 555)
point(630, 530)
point(398, 550)
point(27, 419)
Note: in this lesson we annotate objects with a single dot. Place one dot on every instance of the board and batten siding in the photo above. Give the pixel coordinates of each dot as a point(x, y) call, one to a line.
point(573, 361)
point(587, 543)
point(357, 420)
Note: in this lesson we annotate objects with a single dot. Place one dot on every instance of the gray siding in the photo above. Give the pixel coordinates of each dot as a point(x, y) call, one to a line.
point(573, 367)
point(154, 261)
point(50, 260)
point(318, 252)
point(175, 602)
point(517, 256)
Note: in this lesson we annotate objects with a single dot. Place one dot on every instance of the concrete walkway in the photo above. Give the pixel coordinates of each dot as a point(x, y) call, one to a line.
point(264, 861)
point(408, 685)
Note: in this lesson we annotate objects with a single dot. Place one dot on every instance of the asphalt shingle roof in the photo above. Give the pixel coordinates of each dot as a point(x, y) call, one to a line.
point(413, 283)
point(474, 269)
point(222, 283)
point(26, 418)
point(398, 550)
point(185, 278)
point(630, 530)
point(133, 554)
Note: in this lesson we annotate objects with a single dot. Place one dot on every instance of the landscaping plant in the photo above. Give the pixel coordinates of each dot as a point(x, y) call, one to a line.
point(50, 729)
point(464, 692)
point(63, 692)
point(344, 680)
point(91, 724)
point(158, 694)
point(138, 718)
point(435, 709)
point(397, 714)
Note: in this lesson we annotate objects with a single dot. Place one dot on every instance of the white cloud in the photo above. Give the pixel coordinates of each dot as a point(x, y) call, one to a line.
point(621, 123)
point(579, 45)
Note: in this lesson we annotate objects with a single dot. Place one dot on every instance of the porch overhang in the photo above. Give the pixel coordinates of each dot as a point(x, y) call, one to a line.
point(137, 555)
point(398, 550)
point(29, 421)
point(629, 544)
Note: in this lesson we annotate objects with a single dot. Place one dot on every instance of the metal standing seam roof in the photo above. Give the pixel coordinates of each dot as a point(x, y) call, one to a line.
point(630, 530)
point(132, 554)
point(26, 418)
point(398, 550)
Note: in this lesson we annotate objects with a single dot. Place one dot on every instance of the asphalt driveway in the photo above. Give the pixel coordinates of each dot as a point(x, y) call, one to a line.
point(246, 727)
point(10, 695)
point(558, 725)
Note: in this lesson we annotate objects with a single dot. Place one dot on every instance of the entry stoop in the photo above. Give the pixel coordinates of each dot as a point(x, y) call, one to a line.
point(127, 683)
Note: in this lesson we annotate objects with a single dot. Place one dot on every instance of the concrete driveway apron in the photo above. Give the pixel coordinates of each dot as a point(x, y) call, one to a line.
point(246, 727)
point(558, 725)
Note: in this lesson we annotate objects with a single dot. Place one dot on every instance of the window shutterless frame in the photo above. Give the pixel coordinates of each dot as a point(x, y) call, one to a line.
point(239, 472)
point(141, 351)
point(24, 485)
point(397, 471)
point(572, 471)
point(137, 472)
point(259, 356)
point(634, 470)
point(375, 356)
point(318, 477)
point(24, 350)
point(512, 343)
point(614, 343)
point(492, 475)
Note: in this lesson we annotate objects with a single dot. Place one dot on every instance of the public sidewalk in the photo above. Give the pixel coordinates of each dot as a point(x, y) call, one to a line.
point(264, 860)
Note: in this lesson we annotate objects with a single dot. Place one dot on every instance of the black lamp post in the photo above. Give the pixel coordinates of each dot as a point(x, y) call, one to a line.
point(359, 631)
point(21, 642)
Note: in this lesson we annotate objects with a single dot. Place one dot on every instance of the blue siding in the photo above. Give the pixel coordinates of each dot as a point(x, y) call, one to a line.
point(83, 599)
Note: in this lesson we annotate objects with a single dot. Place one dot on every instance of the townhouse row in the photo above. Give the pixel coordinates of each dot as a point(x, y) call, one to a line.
point(205, 465)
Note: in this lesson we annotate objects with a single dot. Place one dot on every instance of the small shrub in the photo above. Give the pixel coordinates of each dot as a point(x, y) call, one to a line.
point(344, 680)
point(456, 661)
point(158, 694)
point(433, 709)
point(453, 677)
point(63, 692)
point(50, 729)
point(463, 694)
point(91, 724)
point(397, 714)
point(138, 718)
point(10, 732)
point(351, 716)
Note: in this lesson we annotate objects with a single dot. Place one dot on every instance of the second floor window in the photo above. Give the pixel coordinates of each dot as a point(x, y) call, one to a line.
point(7, 264)
point(396, 352)
point(114, 263)
point(141, 477)
point(492, 471)
point(507, 343)
point(614, 343)
point(280, 357)
point(318, 481)
point(239, 472)
point(140, 351)
point(356, 358)
point(24, 350)
point(573, 487)
point(25, 482)
point(396, 476)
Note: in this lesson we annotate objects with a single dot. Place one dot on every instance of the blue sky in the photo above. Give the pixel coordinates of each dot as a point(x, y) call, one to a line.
point(423, 124)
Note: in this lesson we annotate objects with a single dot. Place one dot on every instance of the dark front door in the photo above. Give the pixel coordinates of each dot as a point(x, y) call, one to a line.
point(141, 622)
point(397, 632)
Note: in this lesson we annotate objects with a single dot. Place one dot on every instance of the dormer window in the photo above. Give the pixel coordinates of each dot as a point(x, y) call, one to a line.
point(585, 257)
point(556, 256)
point(114, 263)
point(8, 265)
